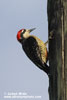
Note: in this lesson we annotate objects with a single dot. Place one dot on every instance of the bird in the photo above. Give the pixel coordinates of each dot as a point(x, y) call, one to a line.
point(34, 48)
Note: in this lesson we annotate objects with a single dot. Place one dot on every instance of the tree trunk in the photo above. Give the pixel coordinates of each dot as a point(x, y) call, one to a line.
point(57, 26)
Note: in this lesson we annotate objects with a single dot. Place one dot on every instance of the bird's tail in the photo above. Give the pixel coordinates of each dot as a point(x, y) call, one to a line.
point(46, 68)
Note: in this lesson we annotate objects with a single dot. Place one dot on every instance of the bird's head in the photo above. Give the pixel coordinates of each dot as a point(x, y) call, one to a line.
point(23, 34)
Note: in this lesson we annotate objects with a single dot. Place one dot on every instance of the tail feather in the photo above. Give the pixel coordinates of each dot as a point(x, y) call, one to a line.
point(46, 68)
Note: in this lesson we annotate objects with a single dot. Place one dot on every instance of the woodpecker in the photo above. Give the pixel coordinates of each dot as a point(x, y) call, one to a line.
point(35, 49)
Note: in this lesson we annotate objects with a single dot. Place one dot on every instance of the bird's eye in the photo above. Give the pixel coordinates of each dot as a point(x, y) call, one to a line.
point(23, 31)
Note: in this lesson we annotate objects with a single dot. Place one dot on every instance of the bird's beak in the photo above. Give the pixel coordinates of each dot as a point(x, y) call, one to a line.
point(30, 30)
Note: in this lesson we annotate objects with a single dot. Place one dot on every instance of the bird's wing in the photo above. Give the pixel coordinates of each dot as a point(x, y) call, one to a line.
point(32, 50)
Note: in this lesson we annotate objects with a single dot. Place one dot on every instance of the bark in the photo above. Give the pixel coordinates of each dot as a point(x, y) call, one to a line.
point(57, 25)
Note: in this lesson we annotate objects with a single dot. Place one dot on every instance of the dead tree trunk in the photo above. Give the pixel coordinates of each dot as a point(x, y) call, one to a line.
point(57, 26)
